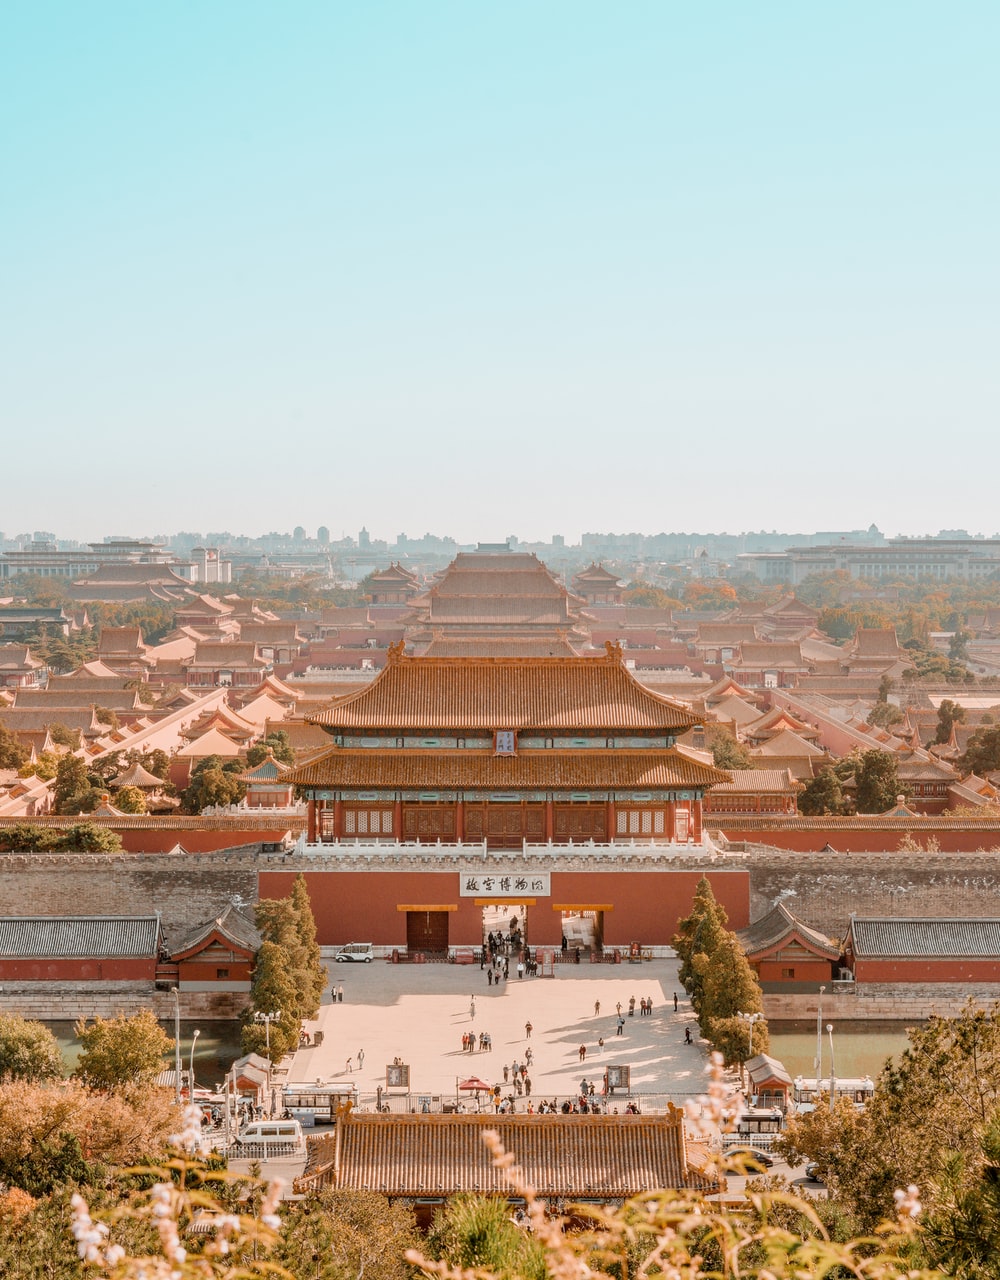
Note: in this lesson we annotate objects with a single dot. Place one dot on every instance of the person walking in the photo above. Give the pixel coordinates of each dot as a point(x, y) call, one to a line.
point(618, 1008)
point(631, 1007)
point(489, 977)
point(349, 1067)
point(600, 1046)
point(361, 1059)
point(506, 1072)
point(528, 1055)
point(621, 1026)
point(675, 1002)
point(472, 1008)
point(597, 1008)
point(687, 1036)
point(527, 1031)
point(583, 1053)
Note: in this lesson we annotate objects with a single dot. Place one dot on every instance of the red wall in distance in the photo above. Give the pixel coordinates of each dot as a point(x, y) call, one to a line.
point(361, 906)
point(63, 970)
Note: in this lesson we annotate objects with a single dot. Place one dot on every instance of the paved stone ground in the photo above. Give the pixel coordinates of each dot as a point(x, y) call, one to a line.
point(420, 1012)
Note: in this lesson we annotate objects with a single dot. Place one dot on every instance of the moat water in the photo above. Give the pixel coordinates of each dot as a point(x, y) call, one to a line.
point(860, 1048)
point(216, 1049)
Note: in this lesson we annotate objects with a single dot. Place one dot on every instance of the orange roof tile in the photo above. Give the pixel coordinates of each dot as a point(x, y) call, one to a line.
point(433, 769)
point(506, 693)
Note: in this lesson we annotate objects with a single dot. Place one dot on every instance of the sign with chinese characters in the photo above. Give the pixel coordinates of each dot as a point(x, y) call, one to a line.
point(505, 884)
point(397, 1075)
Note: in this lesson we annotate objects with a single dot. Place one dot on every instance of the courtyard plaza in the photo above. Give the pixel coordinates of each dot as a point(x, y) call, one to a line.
point(419, 1013)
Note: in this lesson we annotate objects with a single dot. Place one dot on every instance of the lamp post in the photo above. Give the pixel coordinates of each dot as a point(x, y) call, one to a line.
point(177, 1044)
point(194, 1039)
point(267, 1019)
point(750, 1019)
point(818, 1064)
point(833, 1069)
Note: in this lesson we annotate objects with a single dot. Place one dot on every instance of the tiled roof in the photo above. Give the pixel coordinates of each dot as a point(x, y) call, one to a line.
point(87, 937)
point(884, 937)
point(17, 719)
point(75, 699)
point(787, 743)
point(725, 633)
point(762, 1067)
point(226, 654)
point(496, 610)
point(640, 770)
point(759, 781)
point(876, 642)
point(137, 776)
point(778, 924)
point(233, 926)
point(268, 770)
point(212, 743)
point(17, 657)
point(765, 655)
point(575, 1156)
point(120, 640)
point(499, 646)
point(543, 693)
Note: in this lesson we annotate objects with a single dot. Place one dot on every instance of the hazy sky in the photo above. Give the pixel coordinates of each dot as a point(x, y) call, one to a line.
point(489, 268)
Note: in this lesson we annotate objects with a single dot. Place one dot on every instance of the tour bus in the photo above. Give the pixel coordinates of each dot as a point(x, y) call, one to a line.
point(807, 1092)
point(318, 1105)
point(263, 1138)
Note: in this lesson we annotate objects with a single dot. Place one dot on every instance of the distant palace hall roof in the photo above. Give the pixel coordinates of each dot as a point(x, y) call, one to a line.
point(540, 694)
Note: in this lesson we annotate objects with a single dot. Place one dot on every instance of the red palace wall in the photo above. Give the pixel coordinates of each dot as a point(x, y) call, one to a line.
point(882, 838)
point(805, 970)
point(36, 970)
point(956, 970)
point(643, 906)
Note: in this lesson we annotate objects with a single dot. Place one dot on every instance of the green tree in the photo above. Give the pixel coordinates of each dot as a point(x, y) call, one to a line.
point(131, 800)
point(87, 837)
point(13, 752)
point(949, 714)
point(63, 736)
point(27, 837)
point(339, 1235)
point(272, 990)
point(822, 795)
point(730, 988)
point(961, 1235)
point(28, 1050)
point(938, 1100)
point(884, 715)
point(728, 752)
point(876, 782)
point(306, 958)
point(982, 752)
point(214, 782)
point(278, 743)
point(124, 1050)
point(73, 791)
point(476, 1233)
point(697, 936)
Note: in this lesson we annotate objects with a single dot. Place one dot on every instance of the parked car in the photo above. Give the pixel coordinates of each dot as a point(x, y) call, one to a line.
point(751, 1159)
point(355, 952)
point(814, 1172)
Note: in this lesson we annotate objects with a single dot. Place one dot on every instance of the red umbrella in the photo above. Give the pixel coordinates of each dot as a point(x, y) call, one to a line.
point(475, 1085)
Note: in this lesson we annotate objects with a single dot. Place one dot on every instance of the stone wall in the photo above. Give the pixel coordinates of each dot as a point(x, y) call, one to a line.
point(186, 889)
point(889, 1002)
point(824, 890)
point(52, 1003)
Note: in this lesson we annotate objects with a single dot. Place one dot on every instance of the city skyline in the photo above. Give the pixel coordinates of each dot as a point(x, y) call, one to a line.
point(524, 268)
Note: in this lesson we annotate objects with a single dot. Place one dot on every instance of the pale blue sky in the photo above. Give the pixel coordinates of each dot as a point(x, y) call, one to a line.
point(479, 269)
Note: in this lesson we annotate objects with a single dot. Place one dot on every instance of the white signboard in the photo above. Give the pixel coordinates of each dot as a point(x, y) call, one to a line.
point(505, 884)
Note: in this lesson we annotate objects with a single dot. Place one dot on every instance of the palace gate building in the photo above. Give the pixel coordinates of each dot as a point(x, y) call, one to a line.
point(540, 792)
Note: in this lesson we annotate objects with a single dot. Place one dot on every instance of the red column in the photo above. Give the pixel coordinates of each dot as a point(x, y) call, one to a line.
point(612, 821)
point(549, 823)
point(311, 821)
point(397, 819)
point(696, 820)
point(459, 820)
point(338, 818)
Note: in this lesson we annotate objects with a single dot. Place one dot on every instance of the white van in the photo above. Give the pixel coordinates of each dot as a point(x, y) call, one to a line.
point(277, 1137)
point(356, 952)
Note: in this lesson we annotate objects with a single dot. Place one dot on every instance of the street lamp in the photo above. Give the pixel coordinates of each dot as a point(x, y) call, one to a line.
point(818, 1064)
point(194, 1039)
point(177, 1044)
point(750, 1019)
point(833, 1069)
point(267, 1019)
